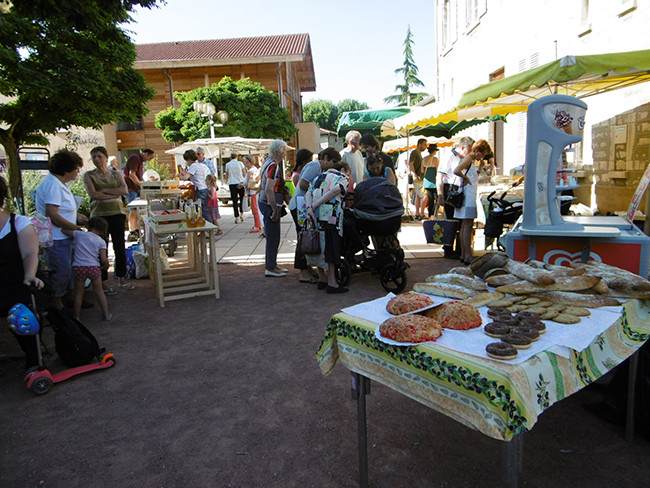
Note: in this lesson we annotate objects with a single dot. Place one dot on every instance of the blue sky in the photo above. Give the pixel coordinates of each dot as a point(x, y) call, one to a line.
point(356, 45)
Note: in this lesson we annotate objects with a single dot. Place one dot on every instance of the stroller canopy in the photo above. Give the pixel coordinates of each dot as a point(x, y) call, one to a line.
point(377, 199)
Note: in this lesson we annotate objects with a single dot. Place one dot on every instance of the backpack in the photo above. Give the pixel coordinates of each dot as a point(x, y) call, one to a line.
point(74, 344)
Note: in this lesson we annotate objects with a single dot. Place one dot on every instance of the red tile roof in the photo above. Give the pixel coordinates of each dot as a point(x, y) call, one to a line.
point(245, 47)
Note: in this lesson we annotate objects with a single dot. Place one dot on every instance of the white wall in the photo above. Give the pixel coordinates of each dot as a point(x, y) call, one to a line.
point(518, 35)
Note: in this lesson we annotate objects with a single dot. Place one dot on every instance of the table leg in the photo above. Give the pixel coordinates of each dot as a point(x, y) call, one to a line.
point(631, 390)
point(512, 454)
point(360, 388)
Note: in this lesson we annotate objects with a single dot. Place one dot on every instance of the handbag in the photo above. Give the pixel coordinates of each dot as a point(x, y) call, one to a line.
point(456, 196)
point(438, 230)
point(309, 239)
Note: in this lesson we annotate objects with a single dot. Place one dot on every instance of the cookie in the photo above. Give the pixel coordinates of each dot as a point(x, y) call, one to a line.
point(549, 315)
point(518, 308)
point(516, 299)
point(578, 311)
point(537, 310)
point(558, 307)
point(530, 301)
point(504, 302)
point(545, 304)
point(566, 318)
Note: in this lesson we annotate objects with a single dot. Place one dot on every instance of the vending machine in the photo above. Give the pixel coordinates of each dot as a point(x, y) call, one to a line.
point(555, 122)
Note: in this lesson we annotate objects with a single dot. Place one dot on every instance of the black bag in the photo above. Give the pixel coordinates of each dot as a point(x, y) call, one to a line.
point(74, 344)
point(309, 239)
point(493, 227)
point(456, 196)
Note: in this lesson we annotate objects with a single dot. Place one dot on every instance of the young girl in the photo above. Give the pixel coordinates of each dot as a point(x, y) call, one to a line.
point(213, 214)
point(90, 257)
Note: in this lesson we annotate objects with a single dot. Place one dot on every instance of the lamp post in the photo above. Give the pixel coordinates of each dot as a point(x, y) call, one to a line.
point(207, 109)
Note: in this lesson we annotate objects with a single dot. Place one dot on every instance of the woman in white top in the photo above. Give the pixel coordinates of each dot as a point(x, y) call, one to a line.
point(252, 185)
point(55, 200)
point(468, 212)
point(196, 173)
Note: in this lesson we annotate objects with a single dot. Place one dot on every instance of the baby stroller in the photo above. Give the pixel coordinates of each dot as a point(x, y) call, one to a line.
point(500, 212)
point(376, 215)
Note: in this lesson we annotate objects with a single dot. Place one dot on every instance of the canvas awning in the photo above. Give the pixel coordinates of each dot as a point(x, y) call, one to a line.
point(368, 121)
point(399, 145)
point(224, 146)
point(578, 76)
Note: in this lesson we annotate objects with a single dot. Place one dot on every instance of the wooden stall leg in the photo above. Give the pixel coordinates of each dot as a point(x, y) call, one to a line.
point(360, 388)
point(512, 454)
point(631, 390)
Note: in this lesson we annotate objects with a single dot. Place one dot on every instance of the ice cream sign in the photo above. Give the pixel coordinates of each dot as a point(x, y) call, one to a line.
point(567, 118)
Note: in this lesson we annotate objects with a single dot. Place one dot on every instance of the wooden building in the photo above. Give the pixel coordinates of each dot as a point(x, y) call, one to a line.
point(282, 64)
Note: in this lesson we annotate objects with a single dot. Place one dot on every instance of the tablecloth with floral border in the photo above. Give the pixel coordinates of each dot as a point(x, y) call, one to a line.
point(494, 397)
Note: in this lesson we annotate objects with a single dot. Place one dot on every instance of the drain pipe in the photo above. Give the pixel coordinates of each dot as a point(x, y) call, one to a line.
point(171, 92)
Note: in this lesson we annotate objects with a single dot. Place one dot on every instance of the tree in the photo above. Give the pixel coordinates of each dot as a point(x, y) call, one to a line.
point(326, 115)
point(322, 112)
point(65, 63)
point(348, 105)
point(410, 73)
point(253, 111)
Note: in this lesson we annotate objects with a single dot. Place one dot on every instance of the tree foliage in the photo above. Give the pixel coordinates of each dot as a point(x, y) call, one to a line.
point(409, 71)
point(66, 63)
point(253, 111)
point(326, 115)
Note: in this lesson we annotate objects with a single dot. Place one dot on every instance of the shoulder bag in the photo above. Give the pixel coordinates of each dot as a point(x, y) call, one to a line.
point(456, 197)
point(309, 239)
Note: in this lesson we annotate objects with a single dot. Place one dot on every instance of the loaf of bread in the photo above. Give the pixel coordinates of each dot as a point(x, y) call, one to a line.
point(484, 299)
point(562, 283)
point(501, 280)
point(411, 328)
point(577, 299)
point(490, 260)
point(445, 290)
point(460, 280)
point(461, 270)
point(525, 272)
point(615, 277)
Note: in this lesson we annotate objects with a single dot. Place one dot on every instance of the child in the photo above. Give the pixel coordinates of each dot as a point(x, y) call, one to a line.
point(213, 214)
point(90, 257)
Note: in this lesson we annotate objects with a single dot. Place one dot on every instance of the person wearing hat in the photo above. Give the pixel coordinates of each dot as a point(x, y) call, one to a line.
point(430, 165)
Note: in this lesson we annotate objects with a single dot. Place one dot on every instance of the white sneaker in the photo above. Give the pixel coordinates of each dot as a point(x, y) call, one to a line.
point(236, 220)
point(274, 274)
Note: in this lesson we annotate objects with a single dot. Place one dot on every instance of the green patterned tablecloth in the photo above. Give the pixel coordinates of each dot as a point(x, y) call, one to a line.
point(496, 398)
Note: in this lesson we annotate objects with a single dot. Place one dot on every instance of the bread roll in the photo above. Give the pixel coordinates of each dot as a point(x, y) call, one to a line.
point(501, 280)
point(525, 272)
point(563, 283)
point(483, 299)
point(460, 280)
point(445, 290)
point(577, 299)
point(490, 260)
point(461, 270)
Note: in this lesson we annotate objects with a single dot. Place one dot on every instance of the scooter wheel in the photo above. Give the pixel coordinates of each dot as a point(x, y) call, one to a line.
point(42, 386)
point(391, 281)
point(344, 273)
point(109, 357)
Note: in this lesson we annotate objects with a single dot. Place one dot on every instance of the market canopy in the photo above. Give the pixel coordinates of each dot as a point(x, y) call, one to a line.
point(442, 119)
point(400, 145)
point(368, 121)
point(578, 76)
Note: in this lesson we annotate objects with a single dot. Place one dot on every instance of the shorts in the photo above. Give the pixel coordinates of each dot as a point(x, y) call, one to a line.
point(82, 272)
point(132, 195)
point(418, 190)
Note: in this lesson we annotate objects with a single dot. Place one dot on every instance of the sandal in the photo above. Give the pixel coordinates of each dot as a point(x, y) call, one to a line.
point(126, 286)
point(110, 291)
point(219, 232)
point(312, 280)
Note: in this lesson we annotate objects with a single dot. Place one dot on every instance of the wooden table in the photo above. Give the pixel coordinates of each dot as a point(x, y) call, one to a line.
point(195, 276)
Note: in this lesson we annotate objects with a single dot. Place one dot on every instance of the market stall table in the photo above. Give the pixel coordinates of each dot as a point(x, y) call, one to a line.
point(195, 276)
point(499, 399)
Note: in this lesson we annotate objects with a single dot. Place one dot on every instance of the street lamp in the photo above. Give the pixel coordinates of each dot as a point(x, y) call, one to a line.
point(207, 109)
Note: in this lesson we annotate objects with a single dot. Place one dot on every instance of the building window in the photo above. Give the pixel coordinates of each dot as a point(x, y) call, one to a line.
point(498, 74)
point(446, 25)
point(627, 6)
point(137, 125)
point(585, 25)
point(474, 10)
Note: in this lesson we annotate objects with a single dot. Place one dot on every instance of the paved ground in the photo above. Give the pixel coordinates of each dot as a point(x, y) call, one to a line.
point(228, 393)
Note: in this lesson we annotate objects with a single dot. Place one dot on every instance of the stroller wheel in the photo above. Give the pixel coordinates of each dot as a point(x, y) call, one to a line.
point(41, 386)
point(393, 278)
point(344, 273)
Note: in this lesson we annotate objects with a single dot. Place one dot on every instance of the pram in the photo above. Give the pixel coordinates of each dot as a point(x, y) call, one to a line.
point(500, 212)
point(376, 215)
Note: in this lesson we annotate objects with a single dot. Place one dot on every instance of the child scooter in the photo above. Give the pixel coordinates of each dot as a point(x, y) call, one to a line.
point(39, 379)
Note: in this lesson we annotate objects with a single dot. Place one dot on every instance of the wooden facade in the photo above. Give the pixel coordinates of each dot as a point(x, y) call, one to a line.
point(286, 78)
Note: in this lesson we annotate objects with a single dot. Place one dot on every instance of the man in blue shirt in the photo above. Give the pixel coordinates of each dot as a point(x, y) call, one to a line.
point(200, 153)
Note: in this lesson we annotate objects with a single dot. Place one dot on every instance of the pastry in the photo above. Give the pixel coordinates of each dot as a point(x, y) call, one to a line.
point(456, 279)
point(483, 299)
point(501, 350)
point(566, 318)
point(577, 299)
point(445, 290)
point(411, 328)
point(456, 315)
point(408, 302)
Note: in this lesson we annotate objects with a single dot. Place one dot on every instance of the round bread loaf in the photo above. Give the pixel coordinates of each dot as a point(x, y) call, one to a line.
point(408, 302)
point(456, 315)
point(411, 328)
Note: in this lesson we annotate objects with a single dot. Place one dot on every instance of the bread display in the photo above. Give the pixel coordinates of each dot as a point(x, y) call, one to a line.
point(562, 283)
point(411, 328)
point(408, 302)
point(456, 316)
point(578, 299)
